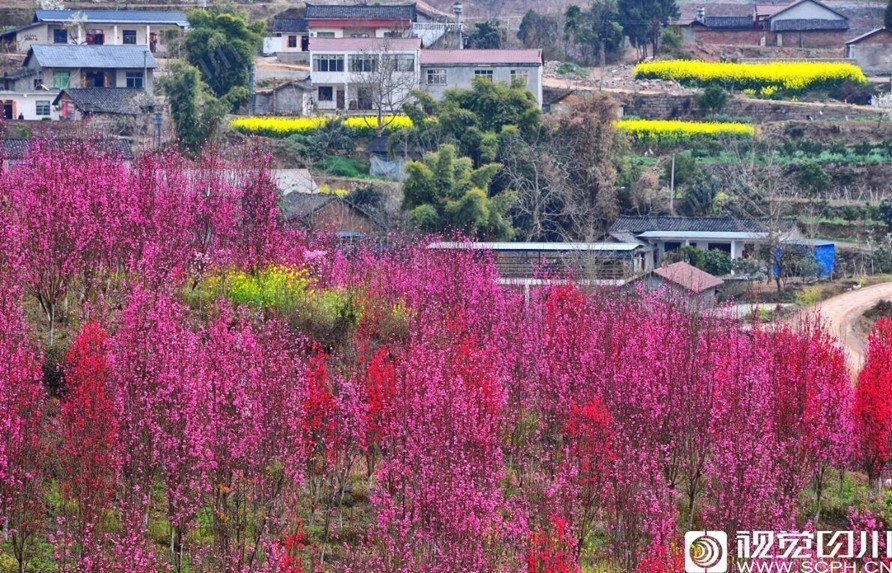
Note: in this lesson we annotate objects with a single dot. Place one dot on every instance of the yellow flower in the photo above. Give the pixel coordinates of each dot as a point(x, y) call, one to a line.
point(674, 131)
point(795, 77)
point(285, 126)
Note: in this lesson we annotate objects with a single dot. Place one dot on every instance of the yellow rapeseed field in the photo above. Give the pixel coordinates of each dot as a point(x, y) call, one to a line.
point(673, 131)
point(793, 77)
point(285, 126)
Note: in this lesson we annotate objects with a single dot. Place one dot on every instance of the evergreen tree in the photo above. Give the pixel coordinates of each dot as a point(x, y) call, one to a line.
point(643, 21)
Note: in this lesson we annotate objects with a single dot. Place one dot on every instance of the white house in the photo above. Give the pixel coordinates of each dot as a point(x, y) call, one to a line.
point(96, 27)
point(361, 74)
point(28, 92)
point(445, 69)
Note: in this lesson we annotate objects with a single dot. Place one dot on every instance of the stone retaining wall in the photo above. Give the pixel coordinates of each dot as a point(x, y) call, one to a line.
point(669, 106)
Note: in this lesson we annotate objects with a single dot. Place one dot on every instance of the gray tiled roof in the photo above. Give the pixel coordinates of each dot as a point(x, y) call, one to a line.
point(115, 16)
point(362, 12)
point(299, 205)
point(647, 223)
point(21, 148)
point(288, 25)
point(118, 101)
point(87, 56)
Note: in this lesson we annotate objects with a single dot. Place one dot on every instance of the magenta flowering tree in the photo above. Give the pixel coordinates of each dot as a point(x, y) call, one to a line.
point(256, 383)
point(156, 383)
point(22, 457)
point(61, 201)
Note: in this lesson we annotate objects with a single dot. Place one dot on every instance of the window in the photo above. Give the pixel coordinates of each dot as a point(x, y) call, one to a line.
point(42, 108)
point(327, 63)
point(292, 41)
point(95, 37)
point(521, 77)
point(60, 36)
point(325, 34)
point(401, 63)
point(134, 80)
point(393, 35)
point(130, 36)
point(364, 63)
point(365, 99)
point(60, 80)
point(485, 74)
point(436, 77)
point(326, 93)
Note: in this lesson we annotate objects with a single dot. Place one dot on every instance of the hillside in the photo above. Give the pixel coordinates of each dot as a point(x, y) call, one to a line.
point(865, 15)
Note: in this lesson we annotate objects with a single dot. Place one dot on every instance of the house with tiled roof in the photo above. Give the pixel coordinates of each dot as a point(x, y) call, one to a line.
point(290, 31)
point(28, 93)
point(802, 23)
point(363, 74)
point(872, 51)
point(682, 281)
point(446, 69)
point(76, 104)
point(15, 151)
point(96, 27)
point(736, 236)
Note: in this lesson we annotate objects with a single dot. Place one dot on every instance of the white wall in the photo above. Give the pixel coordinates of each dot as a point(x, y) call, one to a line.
point(26, 103)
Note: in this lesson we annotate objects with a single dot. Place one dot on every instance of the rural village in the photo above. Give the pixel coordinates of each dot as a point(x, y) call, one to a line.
point(491, 285)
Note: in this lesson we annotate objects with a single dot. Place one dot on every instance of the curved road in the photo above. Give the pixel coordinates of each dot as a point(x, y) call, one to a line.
point(841, 312)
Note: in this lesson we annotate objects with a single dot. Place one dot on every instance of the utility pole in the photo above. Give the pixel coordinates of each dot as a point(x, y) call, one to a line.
point(672, 187)
point(603, 60)
point(252, 79)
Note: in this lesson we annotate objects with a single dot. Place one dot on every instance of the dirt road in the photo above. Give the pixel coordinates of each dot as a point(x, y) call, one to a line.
point(841, 312)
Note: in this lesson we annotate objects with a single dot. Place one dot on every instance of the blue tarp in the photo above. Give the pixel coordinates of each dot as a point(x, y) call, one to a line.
point(823, 251)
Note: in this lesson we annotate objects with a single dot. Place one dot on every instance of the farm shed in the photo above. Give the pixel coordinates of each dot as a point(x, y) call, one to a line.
point(382, 163)
point(737, 237)
point(323, 212)
point(683, 280)
point(872, 51)
point(612, 262)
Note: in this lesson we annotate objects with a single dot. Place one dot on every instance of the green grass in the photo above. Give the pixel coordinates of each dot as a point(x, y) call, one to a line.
point(346, 167)
point(571, 68)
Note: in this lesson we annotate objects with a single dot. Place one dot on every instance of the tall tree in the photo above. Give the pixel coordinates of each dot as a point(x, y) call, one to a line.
point(541, 31)
point(195, 111)
point(596, 31)
point(223, 45)
point(643, 21)
point(88, 438)
point(888, 19)
point(486, 35)
point(443, 192)
point(873, 405)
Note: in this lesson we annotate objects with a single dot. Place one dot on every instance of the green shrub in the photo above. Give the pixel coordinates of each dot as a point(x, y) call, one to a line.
point(712, 100)
point(812, 178)
point(568, 68)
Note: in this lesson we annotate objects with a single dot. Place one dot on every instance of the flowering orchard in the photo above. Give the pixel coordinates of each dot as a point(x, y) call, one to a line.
point(236, 396)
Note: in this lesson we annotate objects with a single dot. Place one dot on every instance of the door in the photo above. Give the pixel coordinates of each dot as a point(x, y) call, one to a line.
point(340, 99)
point(8, 110)
point(95, 80)
point(304, 43)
